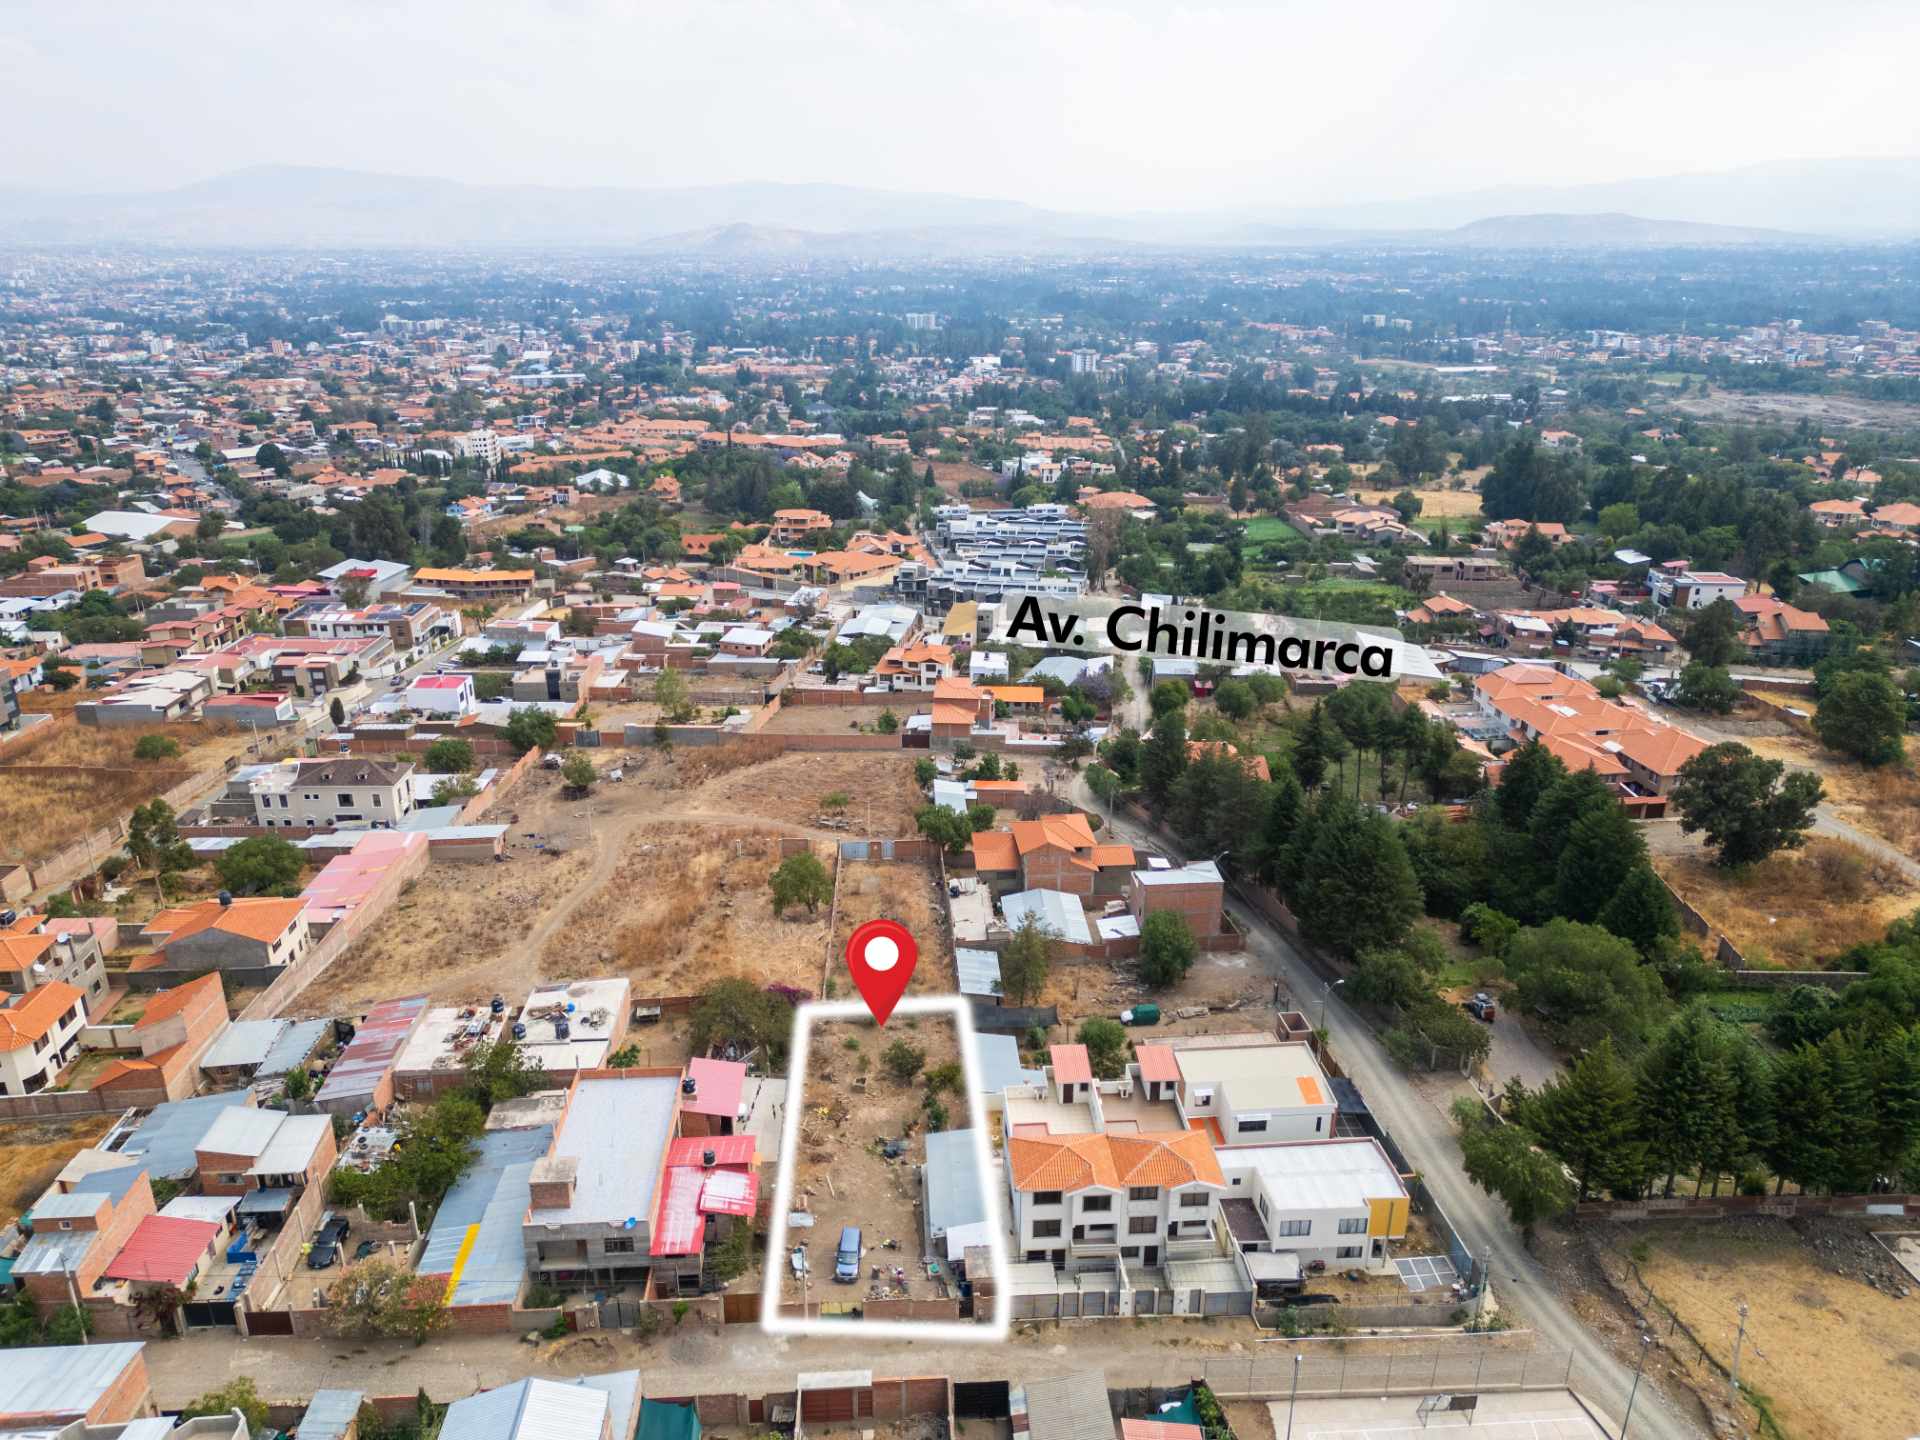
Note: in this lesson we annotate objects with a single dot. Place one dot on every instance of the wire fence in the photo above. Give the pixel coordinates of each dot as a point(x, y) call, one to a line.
point(1273, 1377)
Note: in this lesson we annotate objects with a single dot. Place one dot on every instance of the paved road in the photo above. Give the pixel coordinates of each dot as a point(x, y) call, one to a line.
point(1425, 1132)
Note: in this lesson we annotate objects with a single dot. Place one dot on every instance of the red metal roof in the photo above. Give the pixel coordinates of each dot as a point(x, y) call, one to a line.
point(163, 1249)
point(716, 1087)
point(727, 1150)
point(1071, 1065)
point(1157, 1062)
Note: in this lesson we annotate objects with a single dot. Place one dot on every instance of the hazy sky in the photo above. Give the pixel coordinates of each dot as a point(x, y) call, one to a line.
point(1110, 104)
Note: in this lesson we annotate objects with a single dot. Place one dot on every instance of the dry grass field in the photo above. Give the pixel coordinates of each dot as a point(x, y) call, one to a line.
point(1797, 908)
point(32, 1152)
point(1836, 1359)
point(68, 779)
point(900, 890)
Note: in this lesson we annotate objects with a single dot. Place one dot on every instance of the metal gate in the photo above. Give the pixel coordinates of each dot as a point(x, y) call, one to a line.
point(980, 1399)
point(741, 1309)
point(270, 1322)
point(206, 1314)
point(1228, 1302)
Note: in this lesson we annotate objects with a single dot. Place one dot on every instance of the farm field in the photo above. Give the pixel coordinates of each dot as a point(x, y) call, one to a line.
point(1264, 528)
point(850, 1104)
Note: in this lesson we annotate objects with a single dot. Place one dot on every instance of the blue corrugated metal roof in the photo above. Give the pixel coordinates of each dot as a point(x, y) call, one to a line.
point(165, 1139)
point(493, 1194)
point(330, 1414)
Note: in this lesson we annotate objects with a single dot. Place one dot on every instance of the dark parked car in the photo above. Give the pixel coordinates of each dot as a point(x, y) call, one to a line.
point(323, 1254)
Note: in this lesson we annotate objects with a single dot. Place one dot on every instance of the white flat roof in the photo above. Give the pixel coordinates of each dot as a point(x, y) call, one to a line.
point(1319, 1174)
point(616, 1132)
point(1259, 1077)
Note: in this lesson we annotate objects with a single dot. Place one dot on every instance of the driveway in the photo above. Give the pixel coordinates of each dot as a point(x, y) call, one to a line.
point(1418, 1120)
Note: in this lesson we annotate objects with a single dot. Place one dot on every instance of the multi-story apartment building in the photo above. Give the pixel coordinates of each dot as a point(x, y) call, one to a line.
point(39, 1034)
point(347, 792)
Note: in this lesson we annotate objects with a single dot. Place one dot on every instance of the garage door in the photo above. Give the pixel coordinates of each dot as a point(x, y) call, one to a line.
point(1228, 1302)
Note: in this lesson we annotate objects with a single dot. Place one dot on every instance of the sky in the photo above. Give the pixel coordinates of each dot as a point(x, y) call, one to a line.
point(1109, 105)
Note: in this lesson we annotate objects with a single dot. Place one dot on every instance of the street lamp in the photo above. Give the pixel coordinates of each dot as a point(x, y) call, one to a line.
point(1293, 1393)
point(1646, 1344)
point(1326, 992)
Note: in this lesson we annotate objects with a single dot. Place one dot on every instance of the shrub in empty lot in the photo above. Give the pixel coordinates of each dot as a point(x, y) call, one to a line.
point(800, 880)
point(903, 1061)
point(155, 747)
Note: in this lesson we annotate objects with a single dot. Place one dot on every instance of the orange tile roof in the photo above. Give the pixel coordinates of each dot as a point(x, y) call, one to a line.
point(264, 919)
point(1075, 1162)
point(32, 1015)
point(1017, 694)
point(1107, 856)
point(994, 850)
point(1067, 832)
point(953, 715)
point(1071, 1064)
point(169, 1003)
point(19, 952)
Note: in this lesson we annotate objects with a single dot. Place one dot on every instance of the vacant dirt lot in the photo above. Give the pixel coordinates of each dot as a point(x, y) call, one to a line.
point(32, 1152)
point(850, 1104)
point(1434, 504)
point(1835, 1357)
point(685, 906)
point(46, 804)
point(840, 719)
point(872, 794)
point(1825, 410)
point(900, 890)
point(1795, 909)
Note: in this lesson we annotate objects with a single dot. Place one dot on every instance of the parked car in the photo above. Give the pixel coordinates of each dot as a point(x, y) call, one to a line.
point(322, 1254)
point(1481, 1006)
point(846, 1257)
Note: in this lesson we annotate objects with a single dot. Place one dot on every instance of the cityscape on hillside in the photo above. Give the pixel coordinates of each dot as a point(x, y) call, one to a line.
point(566, 873)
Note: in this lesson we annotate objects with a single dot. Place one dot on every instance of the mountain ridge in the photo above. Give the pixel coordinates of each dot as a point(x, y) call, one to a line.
point(318, 207)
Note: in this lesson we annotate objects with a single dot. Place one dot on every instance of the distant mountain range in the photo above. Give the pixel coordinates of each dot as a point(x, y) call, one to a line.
point(313, 208)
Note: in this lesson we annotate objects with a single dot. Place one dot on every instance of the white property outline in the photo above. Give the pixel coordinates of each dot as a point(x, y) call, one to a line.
point(772, 1322)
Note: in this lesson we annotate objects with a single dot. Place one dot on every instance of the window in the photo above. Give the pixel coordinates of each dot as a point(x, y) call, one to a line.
point(1096, 1204)
point(1252, 1127)
point(1046, 1197)
point(1319, 1122)
point(621, 1246)
point(1350, 1252)
point(1355, 1226)
point(1143, 1192)
point(1294, 1227)
point(345, 799)
point(1143, 1225)
point(1130, 1252)
point(376, 801)
point(66, 1224)
point(1193, 1200)
point(1046, 1229)
point(1261, 1203)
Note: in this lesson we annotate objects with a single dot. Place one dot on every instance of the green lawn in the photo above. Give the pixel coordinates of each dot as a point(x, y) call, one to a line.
point(1264, 528)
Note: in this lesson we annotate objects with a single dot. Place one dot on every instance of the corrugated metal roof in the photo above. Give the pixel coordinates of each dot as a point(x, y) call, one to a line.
point(493, 1195)
point(296, 1041)
point(956, 1192)
point(531, 1409)
point(371, 1054)
point(292, 1145)
point(244, 1042)
point(241, 1132)
point(166, 1139)
point(1000, 1067)
point(1055, 909)
point(330, 1414)
point(163, 1249)
point(62, 1380)
point(1067, 1407)
point(979, 970)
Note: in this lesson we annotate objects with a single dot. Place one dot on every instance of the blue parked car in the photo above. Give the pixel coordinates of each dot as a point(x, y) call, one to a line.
point(846, 1259)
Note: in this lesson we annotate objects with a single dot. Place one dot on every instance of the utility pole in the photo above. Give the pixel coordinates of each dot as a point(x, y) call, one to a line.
point(79, 1314)
point(1733, 1375)
point(1646, 1344)
point(1486, 1281)
point(1293, 1393)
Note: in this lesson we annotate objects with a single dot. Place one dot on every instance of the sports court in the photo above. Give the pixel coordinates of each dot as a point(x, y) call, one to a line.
point(1526, 1415)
